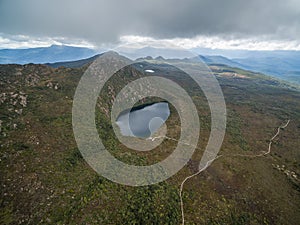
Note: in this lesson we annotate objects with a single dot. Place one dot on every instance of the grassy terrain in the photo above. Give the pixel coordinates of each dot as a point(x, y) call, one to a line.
point(45, 180)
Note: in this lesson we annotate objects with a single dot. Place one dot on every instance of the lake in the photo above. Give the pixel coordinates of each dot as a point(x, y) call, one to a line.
point(143, 121)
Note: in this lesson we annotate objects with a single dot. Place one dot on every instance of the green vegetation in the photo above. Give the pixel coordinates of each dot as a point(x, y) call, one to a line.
point(45, 180)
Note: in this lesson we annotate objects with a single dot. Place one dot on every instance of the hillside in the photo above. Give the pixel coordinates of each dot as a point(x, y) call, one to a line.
point(284, 65)
point(45, 180)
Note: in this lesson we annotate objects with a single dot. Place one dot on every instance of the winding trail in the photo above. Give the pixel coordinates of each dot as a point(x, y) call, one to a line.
point(278, 131)
point(189, 177)
point(212, 160)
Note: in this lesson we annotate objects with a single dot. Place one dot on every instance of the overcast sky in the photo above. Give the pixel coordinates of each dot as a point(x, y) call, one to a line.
point(255, 24)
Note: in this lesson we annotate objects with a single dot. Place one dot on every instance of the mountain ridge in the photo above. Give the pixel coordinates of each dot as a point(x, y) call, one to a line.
point(51, 54)
point(284, 65)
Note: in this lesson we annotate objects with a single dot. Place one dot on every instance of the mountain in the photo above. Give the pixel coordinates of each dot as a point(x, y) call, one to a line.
point(74, 64)
point(283, 64)
point(237, 54)
point(45, 180)
point(217, 59)
point(155, 52)
point(54, 53)
point(280, 64)
point(277, 64)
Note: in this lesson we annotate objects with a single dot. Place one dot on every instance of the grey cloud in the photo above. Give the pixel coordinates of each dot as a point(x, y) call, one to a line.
point(105, 21)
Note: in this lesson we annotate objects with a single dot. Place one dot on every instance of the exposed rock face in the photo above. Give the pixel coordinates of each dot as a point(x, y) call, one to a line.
point(2, 97)
point(15, 99)
point(51, 85)
point(32, 80)
point(15, 81)
point(23, 100)
point(19, 111)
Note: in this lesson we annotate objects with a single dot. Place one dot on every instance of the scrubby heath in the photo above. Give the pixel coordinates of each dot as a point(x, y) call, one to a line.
point(45, 180)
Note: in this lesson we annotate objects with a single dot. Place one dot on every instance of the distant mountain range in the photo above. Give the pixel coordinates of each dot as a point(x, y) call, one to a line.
point(74, 64)
point(280, 64)
point(54, 53)
point(217, 59)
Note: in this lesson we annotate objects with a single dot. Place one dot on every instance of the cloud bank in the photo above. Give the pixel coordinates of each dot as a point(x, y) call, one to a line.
point(102, 22)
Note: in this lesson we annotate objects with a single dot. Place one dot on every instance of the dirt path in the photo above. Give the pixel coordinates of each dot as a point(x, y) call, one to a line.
point(211, 161)
point(219, 156)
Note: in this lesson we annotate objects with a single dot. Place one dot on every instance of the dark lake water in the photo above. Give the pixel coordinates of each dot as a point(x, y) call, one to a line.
point(144, 121)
